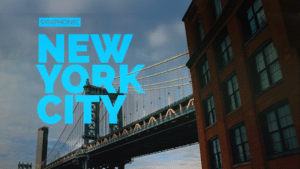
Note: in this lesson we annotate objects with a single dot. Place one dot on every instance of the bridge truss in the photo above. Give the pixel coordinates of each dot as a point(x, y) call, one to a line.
point(166, 84)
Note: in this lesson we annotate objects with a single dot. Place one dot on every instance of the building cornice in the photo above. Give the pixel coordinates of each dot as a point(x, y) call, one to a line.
point(228, 9)
point(187, 11)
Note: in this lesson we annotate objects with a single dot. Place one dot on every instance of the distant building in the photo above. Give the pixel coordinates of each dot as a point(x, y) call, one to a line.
point(244, 63)
point(24, 166)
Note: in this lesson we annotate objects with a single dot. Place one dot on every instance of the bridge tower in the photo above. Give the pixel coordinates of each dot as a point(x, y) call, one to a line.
point(41, 150)
point(91, 131)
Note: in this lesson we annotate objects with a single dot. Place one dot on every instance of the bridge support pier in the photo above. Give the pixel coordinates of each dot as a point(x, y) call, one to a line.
point(85, 164)
point(118, 165)
point(121, 166)
point(111, 166)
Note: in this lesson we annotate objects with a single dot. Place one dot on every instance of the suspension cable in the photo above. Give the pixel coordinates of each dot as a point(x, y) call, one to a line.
point(157, 73)
point(62, 131)
point(167, 60)
point(163, 87)
point(76, 142)
point(70, 133)
point(160, 82)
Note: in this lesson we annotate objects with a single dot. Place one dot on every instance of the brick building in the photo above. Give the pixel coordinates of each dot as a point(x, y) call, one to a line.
point(244, 63)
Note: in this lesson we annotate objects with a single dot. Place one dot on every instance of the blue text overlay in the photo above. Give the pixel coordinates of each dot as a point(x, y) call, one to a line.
point(59, 22)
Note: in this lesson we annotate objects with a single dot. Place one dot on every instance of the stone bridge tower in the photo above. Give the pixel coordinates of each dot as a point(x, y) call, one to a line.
point(41, 150)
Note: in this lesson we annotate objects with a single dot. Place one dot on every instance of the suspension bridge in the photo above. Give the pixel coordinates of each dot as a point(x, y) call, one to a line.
point(160, 119)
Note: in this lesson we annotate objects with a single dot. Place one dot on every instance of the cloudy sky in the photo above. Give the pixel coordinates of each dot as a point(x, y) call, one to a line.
point(158, 34)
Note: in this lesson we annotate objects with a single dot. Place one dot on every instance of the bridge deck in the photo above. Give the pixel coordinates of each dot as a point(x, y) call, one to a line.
point(145, 136)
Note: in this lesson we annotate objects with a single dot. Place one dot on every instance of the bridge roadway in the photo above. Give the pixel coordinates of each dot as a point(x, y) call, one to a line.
point(162, 130)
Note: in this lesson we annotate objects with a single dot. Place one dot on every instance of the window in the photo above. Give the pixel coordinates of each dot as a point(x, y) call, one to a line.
point(265, 68)
point(279, 130)
point(200, 28)
point(203, 71)
point(231, 93)
point(223, 49)
point(253, 18)
point(239, 144)
point(256, 16)
point(215, 10)
point(218, 8)
point(209, 110)
point(215, 153)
